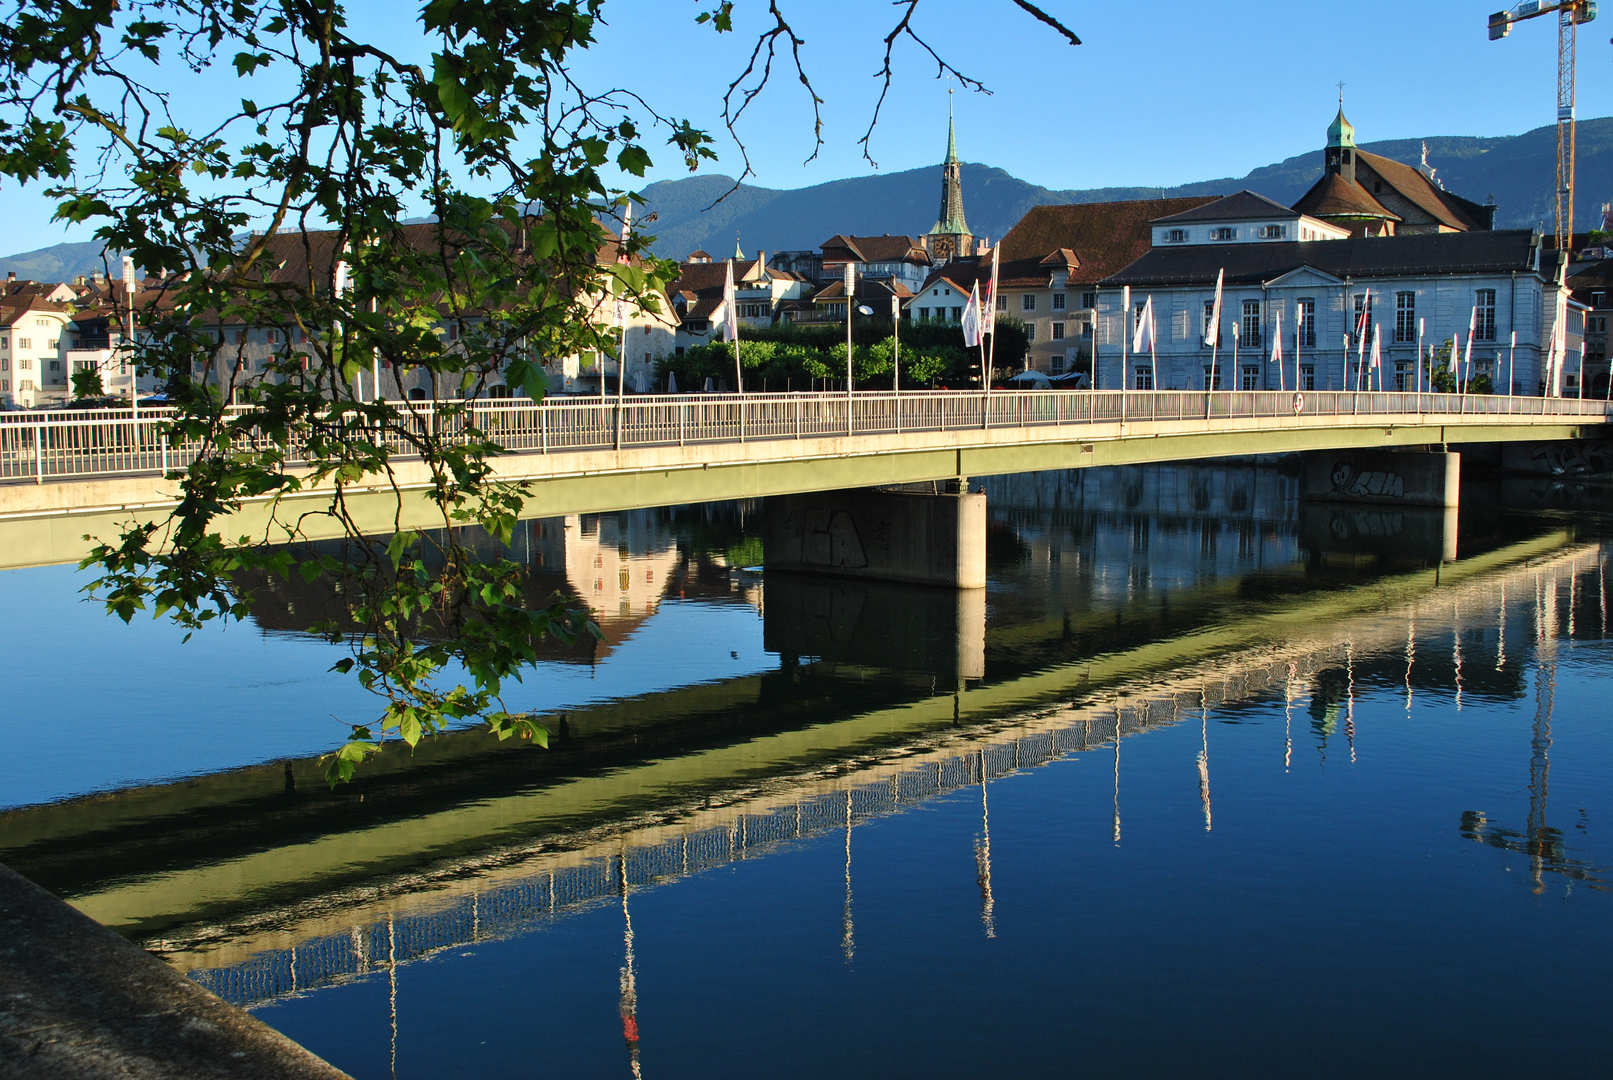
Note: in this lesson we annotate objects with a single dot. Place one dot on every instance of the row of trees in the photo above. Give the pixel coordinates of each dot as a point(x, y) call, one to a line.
point(790, 356)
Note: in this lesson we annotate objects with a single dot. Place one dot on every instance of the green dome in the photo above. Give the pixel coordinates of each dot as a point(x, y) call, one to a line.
point(1340, 132)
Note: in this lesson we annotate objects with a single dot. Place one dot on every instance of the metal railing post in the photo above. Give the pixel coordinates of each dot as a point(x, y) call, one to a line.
point(39, 454)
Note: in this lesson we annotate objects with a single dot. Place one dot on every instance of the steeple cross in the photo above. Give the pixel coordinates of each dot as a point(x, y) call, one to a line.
point(1341, 93)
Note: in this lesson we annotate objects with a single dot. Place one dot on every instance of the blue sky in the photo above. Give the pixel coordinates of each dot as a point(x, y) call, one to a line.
point(1160, 93)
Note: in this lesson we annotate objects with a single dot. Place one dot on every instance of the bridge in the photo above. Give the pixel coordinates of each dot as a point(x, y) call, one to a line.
point(81, 473)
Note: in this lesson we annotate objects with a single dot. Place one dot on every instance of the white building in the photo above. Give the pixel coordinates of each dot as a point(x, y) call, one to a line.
point(1420, 290)
point(34, 337)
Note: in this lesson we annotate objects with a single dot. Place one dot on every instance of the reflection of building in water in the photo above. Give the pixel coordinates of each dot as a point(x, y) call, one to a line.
point(618, 564)
point(1129, 531)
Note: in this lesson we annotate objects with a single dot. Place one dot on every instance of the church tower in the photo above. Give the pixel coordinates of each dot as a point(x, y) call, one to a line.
point(1339, 158)
point(950, 237)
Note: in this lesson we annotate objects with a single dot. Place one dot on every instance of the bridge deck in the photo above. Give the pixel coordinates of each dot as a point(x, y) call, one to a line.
point(86, 472)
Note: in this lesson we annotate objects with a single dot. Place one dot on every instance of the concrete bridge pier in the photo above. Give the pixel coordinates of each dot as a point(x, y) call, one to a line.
point(1398, 479)
point(917, 537)
point(1384, 477)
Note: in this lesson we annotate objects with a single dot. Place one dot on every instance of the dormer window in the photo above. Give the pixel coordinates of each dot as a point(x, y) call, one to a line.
point(1273, 232)
point(1224, 233)
point(1176, 236)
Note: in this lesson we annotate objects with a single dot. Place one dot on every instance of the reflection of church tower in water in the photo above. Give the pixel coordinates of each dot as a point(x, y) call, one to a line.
point(950, 237)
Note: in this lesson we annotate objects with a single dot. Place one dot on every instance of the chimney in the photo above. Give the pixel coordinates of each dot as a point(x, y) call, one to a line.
point(11, 275)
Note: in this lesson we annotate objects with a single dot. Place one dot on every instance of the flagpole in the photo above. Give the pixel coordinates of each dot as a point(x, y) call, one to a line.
point(1299, 338)
point(1092, 318)
point(1419, 383)
point(1282, 376)
point(1125, 332)
point(1153, 351)
point(1215, 343)
point(991, 355)
point(1512, 357)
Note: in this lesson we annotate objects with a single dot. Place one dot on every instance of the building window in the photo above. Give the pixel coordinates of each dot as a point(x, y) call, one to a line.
point(924, 313)
point(1484, 323)
point(55, 365)
point(1400, 376)
point(1305, 310)
point(25, 384)
point(1058, 301)
point(1209, 313)
point(957, 314)
point(1273, 232)
point(1089, 300)
point(1176, 236)
point(1030, 333)
point(1405, 317)
point(1224, 233)
point(1212, 380)
point(1027, 302)
point(1144, 379)
point(25, 364)
point(1251, 324)
point(1058, 331)
point(1356, 324)
point(25, 343)
point(1002, 301)
point(1307, 376)
point(1251, 378)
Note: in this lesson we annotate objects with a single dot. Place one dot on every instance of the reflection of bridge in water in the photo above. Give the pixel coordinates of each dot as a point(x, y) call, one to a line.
point(1366, 637)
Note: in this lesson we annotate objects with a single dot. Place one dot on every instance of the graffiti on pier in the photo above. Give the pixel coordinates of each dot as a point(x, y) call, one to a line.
point(1575, 458)
point(1347, 480)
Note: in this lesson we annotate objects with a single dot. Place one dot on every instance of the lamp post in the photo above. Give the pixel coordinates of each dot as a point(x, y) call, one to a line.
point(896, 344)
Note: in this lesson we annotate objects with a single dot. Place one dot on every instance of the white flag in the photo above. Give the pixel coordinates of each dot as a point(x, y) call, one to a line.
point(627, 230)
point(1277, 344)
point(988, 313)
point(1472, 328)
point(1143, 339)
point(1456, 347)
point(971, 317)
point(1212, 334)
point(1377, 355)
point(730, 319)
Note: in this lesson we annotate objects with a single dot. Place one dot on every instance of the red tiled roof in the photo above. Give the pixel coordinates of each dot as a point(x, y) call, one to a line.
point(1418, 189)
point(1334, 196)
point(871, 249)
point(1103, 237)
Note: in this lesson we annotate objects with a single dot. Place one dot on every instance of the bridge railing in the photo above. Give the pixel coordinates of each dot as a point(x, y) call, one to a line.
point(76, 444)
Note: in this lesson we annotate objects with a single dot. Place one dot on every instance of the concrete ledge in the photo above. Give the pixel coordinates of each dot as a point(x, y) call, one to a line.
point(77, 1002)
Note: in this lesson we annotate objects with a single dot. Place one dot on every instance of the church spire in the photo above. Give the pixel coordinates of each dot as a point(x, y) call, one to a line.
point(952, 135)
point(950, 237)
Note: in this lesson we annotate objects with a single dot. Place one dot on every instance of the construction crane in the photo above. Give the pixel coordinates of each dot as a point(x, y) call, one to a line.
point(1570, 13)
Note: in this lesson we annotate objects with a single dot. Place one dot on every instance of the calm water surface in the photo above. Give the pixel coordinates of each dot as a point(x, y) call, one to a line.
point(1208, 782)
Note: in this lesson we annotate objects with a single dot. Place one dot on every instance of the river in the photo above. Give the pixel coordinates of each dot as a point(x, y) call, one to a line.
point(1208, 780)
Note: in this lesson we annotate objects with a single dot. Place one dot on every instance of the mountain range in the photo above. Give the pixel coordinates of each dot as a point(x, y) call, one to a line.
point(1517, 171)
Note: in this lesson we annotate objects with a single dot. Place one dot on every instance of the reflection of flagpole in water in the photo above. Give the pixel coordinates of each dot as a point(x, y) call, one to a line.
point(983, 859)
point(1204, 756)
point(392, 986)
point(1601, 587)
point(1288, 715)
point(1349, 708)
point(847, 943)
point(1117, 774)
point(1501, 632)
point(1540, 742)
point(1411, 658)
point(628, 1006)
